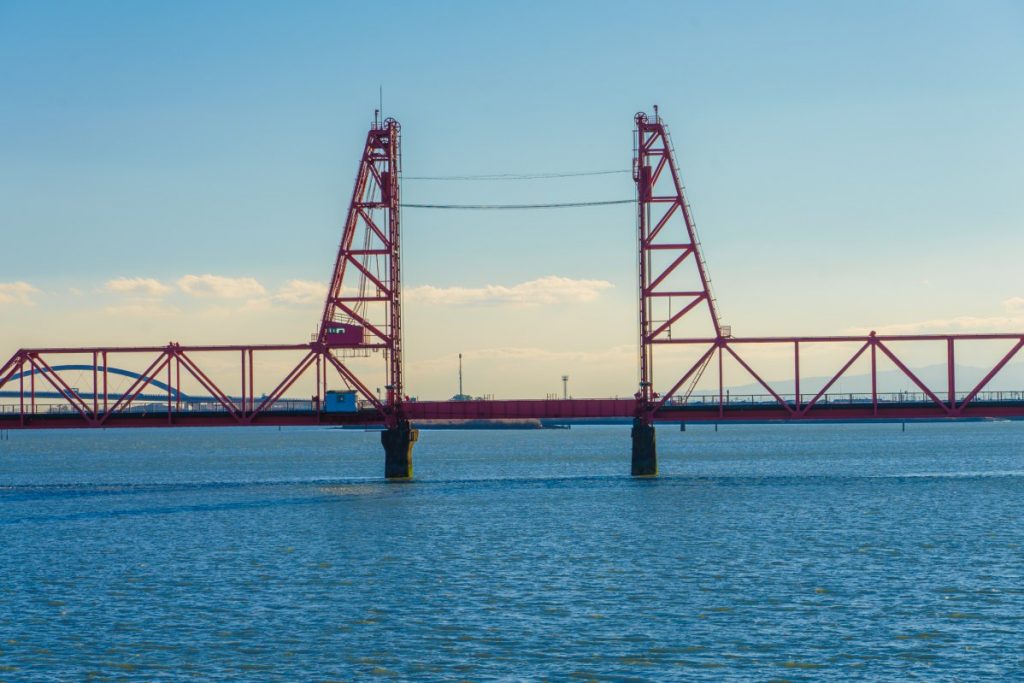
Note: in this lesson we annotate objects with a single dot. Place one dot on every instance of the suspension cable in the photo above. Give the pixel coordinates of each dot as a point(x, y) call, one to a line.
point(563, 205)
point(515, 176)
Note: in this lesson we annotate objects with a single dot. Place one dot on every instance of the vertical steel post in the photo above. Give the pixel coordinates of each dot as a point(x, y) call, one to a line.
point(642, 178)
point(393, 196)
point(105, 366)
point(317, 400)
point(951, 373)
point(170, 392)
point(874, 375)
point(796, 374)
point(721, 383)
point(95, 386)
point(244, 400)
point(252, 386)
point(21, 391)
point(324, 383)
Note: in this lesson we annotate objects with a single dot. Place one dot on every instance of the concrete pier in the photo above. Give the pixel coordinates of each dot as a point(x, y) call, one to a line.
point(398, 442)
point(645, 452)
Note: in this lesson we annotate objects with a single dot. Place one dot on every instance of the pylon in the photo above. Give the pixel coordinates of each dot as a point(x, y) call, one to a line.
point(674, 287)
point(363, 310)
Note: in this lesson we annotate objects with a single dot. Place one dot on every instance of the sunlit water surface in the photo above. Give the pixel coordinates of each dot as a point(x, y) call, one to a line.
point(789, 552)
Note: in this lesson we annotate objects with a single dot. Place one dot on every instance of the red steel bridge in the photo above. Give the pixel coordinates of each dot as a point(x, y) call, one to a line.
point(361, 325)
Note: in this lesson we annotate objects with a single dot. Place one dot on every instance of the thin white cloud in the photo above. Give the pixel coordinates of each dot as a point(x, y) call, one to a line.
point(1014, 303)
point(293, 294)
point(1012, 322)
point(137, 286)
point(551, 289)
point(301, 293)
point(964, 323)
point(621, 355)
point(517, 353)
point(154, 308)
point(17, 293)
point(220, 287)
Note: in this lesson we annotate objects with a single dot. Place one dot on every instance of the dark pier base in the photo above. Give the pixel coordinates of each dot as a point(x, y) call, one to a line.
point(645, 453)
point(397, 442)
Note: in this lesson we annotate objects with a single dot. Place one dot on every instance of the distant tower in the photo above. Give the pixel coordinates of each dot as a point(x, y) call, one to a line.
point(565, 386)
point(460, 375)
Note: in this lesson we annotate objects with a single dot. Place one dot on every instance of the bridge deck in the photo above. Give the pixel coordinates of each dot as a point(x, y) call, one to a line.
point(561, 409)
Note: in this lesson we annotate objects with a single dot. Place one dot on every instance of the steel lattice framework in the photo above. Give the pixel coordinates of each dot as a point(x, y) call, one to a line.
point(362, 317)
point(365, 295)
point(668, 244)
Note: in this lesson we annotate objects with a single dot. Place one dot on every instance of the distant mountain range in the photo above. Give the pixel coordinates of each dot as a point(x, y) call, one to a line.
point(1010, 378)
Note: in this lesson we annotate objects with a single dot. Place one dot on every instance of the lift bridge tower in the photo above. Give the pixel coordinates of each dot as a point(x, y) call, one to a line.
point(363, 310)
point(680, 335)
point(674, 287)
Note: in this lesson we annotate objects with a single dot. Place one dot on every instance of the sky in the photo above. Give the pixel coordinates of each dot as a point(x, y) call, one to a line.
point(180, 171)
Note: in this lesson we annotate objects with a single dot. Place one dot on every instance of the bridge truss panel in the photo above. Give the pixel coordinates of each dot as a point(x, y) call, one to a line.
point(47, 391)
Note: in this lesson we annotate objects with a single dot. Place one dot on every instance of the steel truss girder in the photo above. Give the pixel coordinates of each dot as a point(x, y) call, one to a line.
point(797, 408)
point(242, 410)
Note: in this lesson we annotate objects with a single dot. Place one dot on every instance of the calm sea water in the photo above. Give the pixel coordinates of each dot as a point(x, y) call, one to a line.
point(776, 552)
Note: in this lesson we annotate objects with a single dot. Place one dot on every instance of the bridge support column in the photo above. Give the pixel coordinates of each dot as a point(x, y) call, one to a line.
point(397, 442)
point(645, 453)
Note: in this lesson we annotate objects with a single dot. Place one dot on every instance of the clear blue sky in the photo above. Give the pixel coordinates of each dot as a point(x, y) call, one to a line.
point(851, 165)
